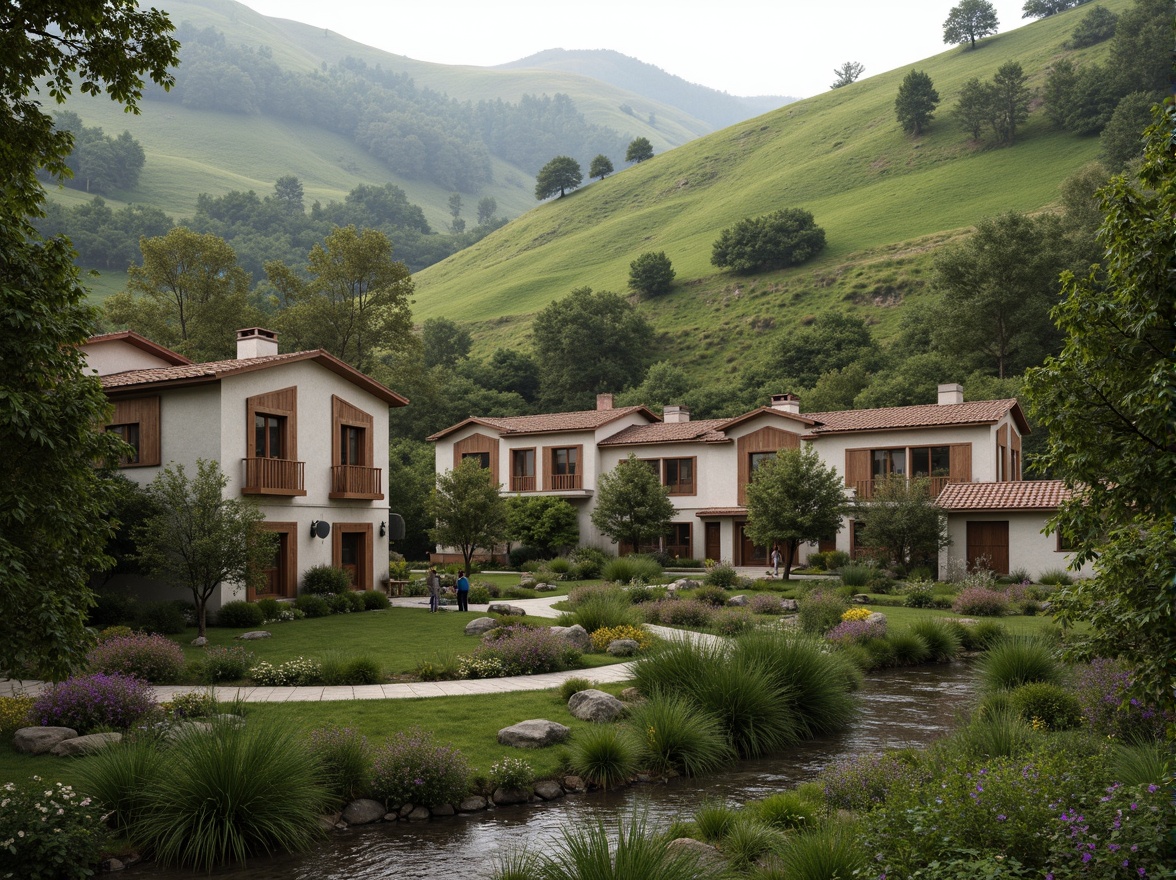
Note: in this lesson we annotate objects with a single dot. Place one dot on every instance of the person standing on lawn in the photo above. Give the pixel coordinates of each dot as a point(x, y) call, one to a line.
point(434, 583)
point(463, 592)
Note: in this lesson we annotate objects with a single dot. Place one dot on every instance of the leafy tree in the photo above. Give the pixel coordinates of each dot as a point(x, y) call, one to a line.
point(916, 102)
point(639, 150)
point(288, 193)
point(1107, 402)
point(412, 470)
point(1045, 8)
point(601, 166)
point(969, 21)
point(792, 499)
point(847, 73)
point(833, 341)
point(651, 274)
point(1120, 142)
point(974, 108)
point(192, 295)
point(468, 510)
point(1140, 57)
point(665, 383)
point(787, 237)
point(632, 505)
point(587, 343)
point(902, 522)
point(1097, 25)
point(445, 342)
point(357, 297)
point(837, 388)
point(487, 208)
point(1010, 100)
point(559, 175)
point(1081, 100)
point(198, 539)
point(455, 205)
point(513, 372)
point(546, 523)
point(997, 289)
point(911, 381)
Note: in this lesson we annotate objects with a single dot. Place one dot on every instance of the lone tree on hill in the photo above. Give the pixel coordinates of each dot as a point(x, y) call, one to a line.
point(969, 21)
point(1010, 100)
point(639, 150)
point(601, 166)
point(916, 102)
point(783, 238)
point(632, 506)
point(651, 274)
point(468, 510)
point(847, 73)
point(558, 176)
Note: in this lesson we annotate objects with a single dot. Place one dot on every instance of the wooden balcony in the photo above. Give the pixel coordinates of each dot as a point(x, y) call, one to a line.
point(565, 482)
point(864, 489)
point(353, 481)
point(522, 483)
point(273, 476)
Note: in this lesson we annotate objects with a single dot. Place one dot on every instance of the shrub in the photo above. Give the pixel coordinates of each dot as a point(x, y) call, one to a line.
point(820, 611)
point(270, 608)
point(712, 595)
point(982, 635)
point(521, 555)
point(89, 702)
point(441, 666)
point(339, 603)
point(762, 603)
point(981, 602)
point(292, 673)
point(857, 630)
point(722, 575)
point(165, 618)
point(319, 580)
point(519, 650)
point(626, 569)
point(1018, 660)
point(856, 575)
point(786, 810)
point(230, 793)
point(994, 733)
point(479, 594)
point(511, 773)
point(589, 562)
point(193, 705)
point(602, 637)
point(679, 612)
point(111, 609)
point(337, 668)
point(603, 609)
point(831, 850)
point(713, 819)
point(1103, 688)
point(748, 840)
point(918, 594)
point(1096, 26)
point(148, 657)
point(1046, 706)
point(374, 601)
point(240, 615)
point(1056, 577)
point(787, 237)
point(858, 613)
point(49, 832)
point(942, 639)
point(226, 664)
point(862, 782)
point(603, 754)
point(561, 566)
point(673, 735)
point(312, 606)
point(14, 714)
point(572, 686)
point(733, 621)
point(412, 768)
point(344, 758)
point(909, 648)
point(118, 777)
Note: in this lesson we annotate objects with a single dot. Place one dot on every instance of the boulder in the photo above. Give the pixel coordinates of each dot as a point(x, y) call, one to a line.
point(505, 797)
point(40, 740)
point(254, 635)
point(623, 648)
point(876, 617)
point(574, 784)
point(789, 606)
point(536, 733)
point(632, 695)
point(364, 811)
point(442, 810)
point(406, 810)
point(686, 584)
point(507, 609)
point(199, 642)
point(574, 635)
point(527, 580)
point(544, 588)
point(419, 814)
point(112, 864)
point(472, 804)
point(860, 599)
point(549, 790)
point(706, 854)
point(596, 706)
point(85, 745)
point(480, 626)
point(738, 601)
point(188, 728)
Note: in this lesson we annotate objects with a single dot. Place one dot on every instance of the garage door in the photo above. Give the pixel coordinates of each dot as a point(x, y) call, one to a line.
point(988, 542)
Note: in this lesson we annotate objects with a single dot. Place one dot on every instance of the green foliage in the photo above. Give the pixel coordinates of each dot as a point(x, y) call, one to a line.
point(916, 101)
point(1010, 100)
point(627, 569)
point(834, 849)
point(312, 606)
point(632, 505)
point(559, 175)
point(513, 773)
point(1055, 576)
point(943, 641)
point(14, 714)
point(902, 521)
point(970, 21)
point(601, 166)
point(793, 498)
point(547, 523)
point(787, 237)
point(338, 668)
point(117, 778)
point(147, 657)
point(49, 832)
point(674, 736)
point(321, 580)
point(651, 274)
point(444, 342)
point(344, 757)
point(1047, 705)
point(820, 611)
point(723, 576)
point(166, 618)
point(603, 754)
point(639, 150)
point(1016, 661)
point(1143, 763)
point(240, 615)
point(713, 819)
point(1107, 405)
point(1045, 8)
point(604, 609)
point(1120, 142)
point(98, 162)
point(572, 686)
point(847, 73)
point(220, 664)
point(1096, 26)
point(787, 810)
point(467, 509)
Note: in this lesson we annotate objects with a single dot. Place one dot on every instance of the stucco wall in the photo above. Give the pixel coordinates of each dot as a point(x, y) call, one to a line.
point(1028, 547)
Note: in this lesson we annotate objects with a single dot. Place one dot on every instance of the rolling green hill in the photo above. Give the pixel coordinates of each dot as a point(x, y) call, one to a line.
point(886, 201)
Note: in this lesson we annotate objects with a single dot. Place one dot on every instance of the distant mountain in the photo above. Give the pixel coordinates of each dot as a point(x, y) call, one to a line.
point(719, 109)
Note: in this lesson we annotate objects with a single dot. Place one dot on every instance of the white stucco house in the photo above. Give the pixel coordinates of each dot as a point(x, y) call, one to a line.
point(706, 465)
point(303, 433)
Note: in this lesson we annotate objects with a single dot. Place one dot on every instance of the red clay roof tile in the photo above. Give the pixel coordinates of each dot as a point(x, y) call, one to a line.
point(1017, 495)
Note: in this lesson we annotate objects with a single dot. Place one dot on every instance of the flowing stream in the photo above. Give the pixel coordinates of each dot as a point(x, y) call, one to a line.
point(904, 708)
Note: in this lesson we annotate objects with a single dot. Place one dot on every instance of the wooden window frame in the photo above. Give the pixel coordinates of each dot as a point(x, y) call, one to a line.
point(549, 474)
point(364, 566)
point(362, 480)
point(264, 477)
point(766, 439)
point(533, 476)
point(289, 562)
point(478, 443)
point(672, 490)
point(142, 412)
point(689, 545)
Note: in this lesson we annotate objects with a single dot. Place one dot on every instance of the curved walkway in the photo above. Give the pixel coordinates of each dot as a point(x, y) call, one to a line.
point(540, 607)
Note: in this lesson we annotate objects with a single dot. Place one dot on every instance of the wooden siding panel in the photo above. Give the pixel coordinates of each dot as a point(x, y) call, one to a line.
point(344, 413)
point(477, 443)
point(858, 467)
point(288, 589)
point(283, 402)
point(766, 439)
point(960, 463)
point(143, 411)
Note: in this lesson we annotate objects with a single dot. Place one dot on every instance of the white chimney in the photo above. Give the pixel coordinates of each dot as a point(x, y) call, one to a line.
point(673, 415)
point(604, 401)
point(254, 342)
point(951, 393)
point(788, 403)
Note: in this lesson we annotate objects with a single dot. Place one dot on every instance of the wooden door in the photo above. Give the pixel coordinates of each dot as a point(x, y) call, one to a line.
point(749, 554)
point(351, 556)
point(988, 541)
point(714, 543)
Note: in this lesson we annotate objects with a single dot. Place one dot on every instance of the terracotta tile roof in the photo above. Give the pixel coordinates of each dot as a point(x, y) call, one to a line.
point(722, 511)
point(706, 430)
point(213, 371)
point(544, 423)
point(1018, 495)
point(923, 416)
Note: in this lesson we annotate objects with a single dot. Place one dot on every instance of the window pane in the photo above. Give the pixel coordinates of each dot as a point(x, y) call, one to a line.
point(482, 458)
point(259, 435)
point(523, 462)
point(275, 437)
point(940, 461)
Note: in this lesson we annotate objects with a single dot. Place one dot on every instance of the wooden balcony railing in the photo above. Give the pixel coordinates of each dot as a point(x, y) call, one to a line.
point(865, 488)
point(522, 484)
point(564, 482)
point(353, 481)
point(274, 476)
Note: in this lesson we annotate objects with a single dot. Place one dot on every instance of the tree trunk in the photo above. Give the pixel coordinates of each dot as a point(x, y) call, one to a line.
point(201, 616)
point(789, 556)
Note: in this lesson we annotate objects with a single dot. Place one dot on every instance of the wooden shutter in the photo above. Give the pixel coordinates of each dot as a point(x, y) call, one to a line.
point(960, 463)
point(857, 467)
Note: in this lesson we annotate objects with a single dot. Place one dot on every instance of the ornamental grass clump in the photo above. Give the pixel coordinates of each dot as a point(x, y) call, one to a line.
point(603, 754)
point(678, 612)
point(413, 768)
point(118, 778)
point(733, 621)
point(48, 831)
point(820, 611)
point(600, 609)
point(519, 650)
point(830, 850)
point(1018, 660)
point(151, 657)
point(1046, 706)
point(786, 810)
point(221, 664)
point(981, 602)
point(626, 569)
point(764, 603)
point(943, 640)
point(90, 702)
point(344, 757)
point(672, 735)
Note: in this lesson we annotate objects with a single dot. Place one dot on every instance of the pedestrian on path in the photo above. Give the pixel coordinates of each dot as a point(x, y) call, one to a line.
point(776, 560)
point(463, 592)
point(434, 583)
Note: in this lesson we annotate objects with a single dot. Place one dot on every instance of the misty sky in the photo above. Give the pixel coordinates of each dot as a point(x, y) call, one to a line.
point(745, 47)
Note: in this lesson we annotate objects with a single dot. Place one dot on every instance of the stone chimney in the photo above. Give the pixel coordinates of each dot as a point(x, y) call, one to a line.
point(254, 342)
point(950, 393)
point(673, 415)
point(788, 403)
point(604, 401)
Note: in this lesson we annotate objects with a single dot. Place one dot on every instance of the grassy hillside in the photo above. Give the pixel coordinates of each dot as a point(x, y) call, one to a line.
point(885, 200)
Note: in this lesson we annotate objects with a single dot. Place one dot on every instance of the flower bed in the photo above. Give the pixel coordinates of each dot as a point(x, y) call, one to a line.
point(89, 702)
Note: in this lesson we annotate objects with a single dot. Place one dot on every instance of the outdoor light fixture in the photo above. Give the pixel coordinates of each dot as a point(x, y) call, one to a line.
point(320, 528)
point(383, 529)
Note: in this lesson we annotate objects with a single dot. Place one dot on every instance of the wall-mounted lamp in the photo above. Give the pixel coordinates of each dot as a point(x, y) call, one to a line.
point(320, 528)
point(383, 529)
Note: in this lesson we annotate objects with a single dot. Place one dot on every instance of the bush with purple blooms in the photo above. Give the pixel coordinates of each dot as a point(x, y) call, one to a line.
point(863, 782)
point(857, 632)
point(765, 603)
point(820, 611)
point(519, 650)
point(678, 612)
point(345, 758)
point(413, 768)
point(1102, 687)
point(89, 702)
point(151, 657)
point(981, 602)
